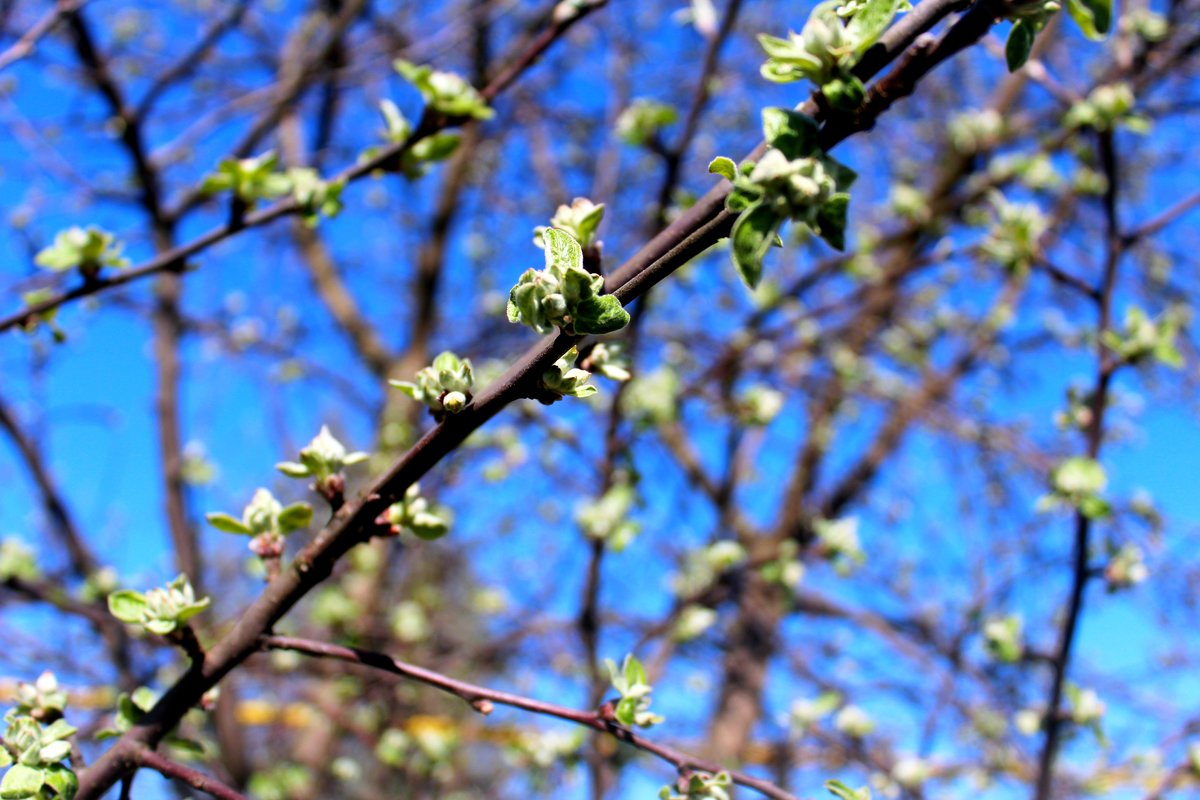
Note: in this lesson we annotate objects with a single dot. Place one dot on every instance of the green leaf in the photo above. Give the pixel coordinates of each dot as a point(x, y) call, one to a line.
point(58, 730)
point(227, 523)
point(1020, 43)
point(792, 133)
point(752, 235)
point(186, 747)
point(195, 608)
point(844, 94)
point(142, 700)
point(739, 200)
point(600, 314)
point(437, 147)
point(127, 606)
point(293, 469)
point(635, 673)
point(53, 752)
point(562, 249)
point(1094, 17)
point(724, 167)
point(869, 23)
point(831, 221)
point(20, 782)
point(295, 517)
point(62, 780)
point(844, 792)
point(5, 758)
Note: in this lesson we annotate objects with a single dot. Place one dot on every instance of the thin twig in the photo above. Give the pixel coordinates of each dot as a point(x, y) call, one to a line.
point(483, 699)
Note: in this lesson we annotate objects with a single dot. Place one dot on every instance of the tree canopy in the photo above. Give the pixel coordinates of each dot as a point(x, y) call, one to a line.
point(482, 399)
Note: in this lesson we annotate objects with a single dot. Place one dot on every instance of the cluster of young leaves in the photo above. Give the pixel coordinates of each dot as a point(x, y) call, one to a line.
point(1014, 238)
point(161, 611)
point(580, 219)
point(444, 386)
point(316, 197)
point(1126, 567)
point(1094, 18)
point(17, 560)
point(417, 158)
point(564, 379)
point(844, 792)
point(131, 708)
point(633, 707)
point(33, 754)
point(260, 178)
point(1003, 638)
point(1144, 338)
point(607, 359)
point(839, 543)
point(794, 180)
point(607, 517)
point(564, 294)
point(86, 249)
point(831, 43)
point(699, 786)
point(1077, 482)
point(416, 515)
point(1106, 107)
point(444, 92)
point(323, 460)
point(249, 179)
point(643, 120)
point(266, 520)
point(35, 743)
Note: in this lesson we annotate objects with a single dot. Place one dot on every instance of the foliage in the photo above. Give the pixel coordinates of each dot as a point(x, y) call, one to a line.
point(633, 707)
point(85, 249)
point(444, 386)
point(829, 46)
point(793, 180)
point(160, 611)
point(564, 294)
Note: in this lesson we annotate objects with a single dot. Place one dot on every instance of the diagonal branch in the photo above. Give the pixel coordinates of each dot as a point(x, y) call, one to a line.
point(483, 700)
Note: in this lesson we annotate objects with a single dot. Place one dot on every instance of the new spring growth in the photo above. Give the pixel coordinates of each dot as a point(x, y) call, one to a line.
point(44, 699)
point(414, 161)
point(580, 219)
point(249, 179)
point(1003, 638)
point(32, 753)
point(415, 515)
point(699, 786)
point(1094, 18)
point(445, 386)
point(607, 359)
point(564, 380)
point(633, 708)
point(829, 46)
point(642, 120)
point(1126, 568)
point(564, 294)
point(1144, 338)
point(1014, 238)
point(794, 180)
point(844, 792)
point(315, 197)
point(266, 520)
point(607, 517)
point(160, 611)
point(323, 460)
point(88, 250)
point(444, 92)
point(1077, 482)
